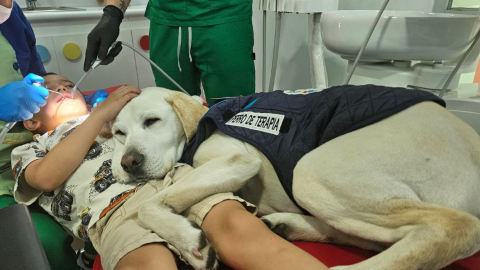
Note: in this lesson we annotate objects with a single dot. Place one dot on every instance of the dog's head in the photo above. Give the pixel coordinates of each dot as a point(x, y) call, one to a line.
point(150, 133)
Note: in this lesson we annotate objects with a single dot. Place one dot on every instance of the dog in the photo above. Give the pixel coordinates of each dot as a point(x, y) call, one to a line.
point(407, 185)
point(135, 160)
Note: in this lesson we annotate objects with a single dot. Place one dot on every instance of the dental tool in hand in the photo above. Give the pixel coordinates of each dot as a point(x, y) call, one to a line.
point(52, 91)
point(8, 126)
point(95, 64)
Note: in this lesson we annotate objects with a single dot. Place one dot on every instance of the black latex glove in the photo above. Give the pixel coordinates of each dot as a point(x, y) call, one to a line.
point(102, 37)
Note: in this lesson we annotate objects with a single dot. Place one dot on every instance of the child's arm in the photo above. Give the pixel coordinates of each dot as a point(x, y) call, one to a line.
point(58, 164)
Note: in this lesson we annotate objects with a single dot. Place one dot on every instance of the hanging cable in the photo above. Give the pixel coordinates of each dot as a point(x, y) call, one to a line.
point(459, 64)
point(362, 49)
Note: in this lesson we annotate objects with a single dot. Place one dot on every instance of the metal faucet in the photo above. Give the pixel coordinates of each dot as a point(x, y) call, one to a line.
point(31, 4)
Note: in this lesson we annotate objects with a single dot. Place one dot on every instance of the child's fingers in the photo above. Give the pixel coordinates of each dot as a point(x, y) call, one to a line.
point(126, 90)
point(129, 96)
point(122, 95)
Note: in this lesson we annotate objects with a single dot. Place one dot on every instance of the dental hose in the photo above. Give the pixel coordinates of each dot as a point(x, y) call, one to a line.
point(97, 62)
point(380, 12)
point(155, 65)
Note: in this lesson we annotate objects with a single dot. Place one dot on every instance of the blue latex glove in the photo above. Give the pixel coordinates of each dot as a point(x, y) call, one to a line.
point(20, 100)
point(98, 96)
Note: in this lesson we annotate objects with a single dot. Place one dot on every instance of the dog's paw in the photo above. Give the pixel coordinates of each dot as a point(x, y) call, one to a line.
point(186, 237)
point(196, 250)
point(276, 225)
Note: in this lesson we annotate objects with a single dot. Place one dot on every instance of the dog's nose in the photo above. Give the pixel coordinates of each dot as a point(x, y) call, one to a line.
point(132, 161)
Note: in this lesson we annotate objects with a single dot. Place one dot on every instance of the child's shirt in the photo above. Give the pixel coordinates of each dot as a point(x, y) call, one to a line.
point(87, 195)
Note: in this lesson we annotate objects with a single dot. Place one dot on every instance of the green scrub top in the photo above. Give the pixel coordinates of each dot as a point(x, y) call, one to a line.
point(17, 135)
point(198, 12)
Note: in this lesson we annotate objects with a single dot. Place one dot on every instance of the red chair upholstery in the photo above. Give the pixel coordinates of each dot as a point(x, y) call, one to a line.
point(333, 255)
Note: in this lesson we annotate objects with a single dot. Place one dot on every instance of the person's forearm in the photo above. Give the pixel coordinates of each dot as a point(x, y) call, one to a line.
point(59, 163)
point(8, 3)
point(121, 4)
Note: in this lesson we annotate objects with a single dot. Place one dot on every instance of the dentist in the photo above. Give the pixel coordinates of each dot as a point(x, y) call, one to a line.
point(197, 43)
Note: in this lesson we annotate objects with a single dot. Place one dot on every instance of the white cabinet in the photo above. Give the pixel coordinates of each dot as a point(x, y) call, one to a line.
point(51, 65)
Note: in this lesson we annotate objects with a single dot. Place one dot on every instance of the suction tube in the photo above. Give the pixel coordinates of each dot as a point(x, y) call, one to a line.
point(380, 12)
point(97, 62)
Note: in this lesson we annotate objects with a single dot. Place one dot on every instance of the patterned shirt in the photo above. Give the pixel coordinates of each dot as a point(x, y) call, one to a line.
point(86, 196)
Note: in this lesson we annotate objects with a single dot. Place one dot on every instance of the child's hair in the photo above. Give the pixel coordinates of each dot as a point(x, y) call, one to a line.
point(47, 73)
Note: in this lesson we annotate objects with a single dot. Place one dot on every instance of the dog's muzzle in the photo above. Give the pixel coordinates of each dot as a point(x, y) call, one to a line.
point(132, 162)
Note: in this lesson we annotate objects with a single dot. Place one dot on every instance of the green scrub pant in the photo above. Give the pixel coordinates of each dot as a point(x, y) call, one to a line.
point(55, 240)
point(221, 58)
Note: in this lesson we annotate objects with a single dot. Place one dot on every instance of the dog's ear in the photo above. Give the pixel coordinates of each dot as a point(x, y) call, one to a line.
point(106, 131)
point(189, 112)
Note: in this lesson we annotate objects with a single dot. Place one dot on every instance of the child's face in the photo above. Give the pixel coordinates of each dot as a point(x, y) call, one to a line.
point(59, 110)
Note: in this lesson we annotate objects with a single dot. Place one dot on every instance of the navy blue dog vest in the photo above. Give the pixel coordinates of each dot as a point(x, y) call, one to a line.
point(287, 125)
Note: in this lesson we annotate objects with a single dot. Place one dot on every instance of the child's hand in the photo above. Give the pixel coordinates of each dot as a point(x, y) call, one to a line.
point(95, 108)
point(109, 109)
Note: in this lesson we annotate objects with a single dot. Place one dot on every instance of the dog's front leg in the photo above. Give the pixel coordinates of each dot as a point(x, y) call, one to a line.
point(227, 173)
point(223, 174)
point(182, 234)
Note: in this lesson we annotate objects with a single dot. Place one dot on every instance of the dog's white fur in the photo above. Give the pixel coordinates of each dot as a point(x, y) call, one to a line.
point(408, 185)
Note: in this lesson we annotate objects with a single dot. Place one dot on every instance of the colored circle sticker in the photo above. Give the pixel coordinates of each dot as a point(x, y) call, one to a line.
point(72, 51)
point(145, 42)
point(43, 52)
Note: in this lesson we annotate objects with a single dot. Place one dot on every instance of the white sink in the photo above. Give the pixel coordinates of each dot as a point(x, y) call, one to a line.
point(52, 9)
point(399, 35)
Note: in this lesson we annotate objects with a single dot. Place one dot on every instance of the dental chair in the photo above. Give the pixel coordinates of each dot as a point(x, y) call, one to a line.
point(20, 246)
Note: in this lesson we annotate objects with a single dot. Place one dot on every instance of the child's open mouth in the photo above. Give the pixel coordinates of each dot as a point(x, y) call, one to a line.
point(61, 97)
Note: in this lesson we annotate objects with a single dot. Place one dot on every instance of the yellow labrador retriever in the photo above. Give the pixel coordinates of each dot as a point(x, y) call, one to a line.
point(408, 185)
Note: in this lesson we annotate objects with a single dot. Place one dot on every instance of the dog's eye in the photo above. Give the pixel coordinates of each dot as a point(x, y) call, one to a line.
point(151, 121)
point(119, 133)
